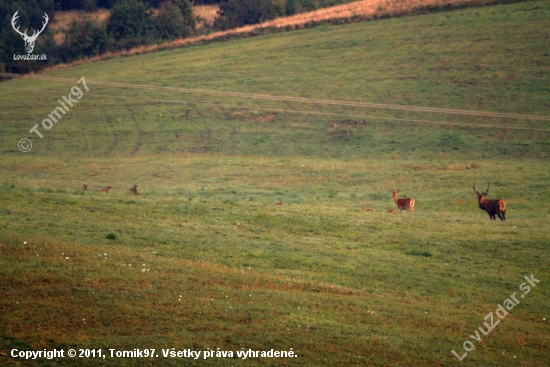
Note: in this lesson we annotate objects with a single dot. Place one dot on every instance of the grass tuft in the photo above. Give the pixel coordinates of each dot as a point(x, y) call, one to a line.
point(419, 253)
point(111, 236)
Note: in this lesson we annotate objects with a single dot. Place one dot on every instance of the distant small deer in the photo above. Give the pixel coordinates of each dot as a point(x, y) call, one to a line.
point(492, 207)
point(105, 190)
point(84, 187)
point(134, 189)
point(403, 204)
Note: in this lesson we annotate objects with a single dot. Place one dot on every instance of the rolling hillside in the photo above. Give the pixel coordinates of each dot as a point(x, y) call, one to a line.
point(264, 167)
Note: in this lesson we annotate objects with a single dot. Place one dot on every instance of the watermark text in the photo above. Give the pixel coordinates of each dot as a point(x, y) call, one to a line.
point(57, 114)
point(500, 312)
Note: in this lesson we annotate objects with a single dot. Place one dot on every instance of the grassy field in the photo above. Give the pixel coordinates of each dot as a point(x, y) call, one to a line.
point(204, 258)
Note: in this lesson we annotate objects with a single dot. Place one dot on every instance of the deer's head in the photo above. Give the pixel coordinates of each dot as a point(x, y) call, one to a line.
point(480, 197)
point(29, 40)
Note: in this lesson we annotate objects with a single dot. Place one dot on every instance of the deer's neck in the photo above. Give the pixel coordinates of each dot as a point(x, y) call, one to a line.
point(483, 203)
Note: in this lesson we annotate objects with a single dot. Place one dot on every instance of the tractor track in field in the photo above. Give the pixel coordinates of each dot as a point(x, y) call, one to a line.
point(140, 133)
point(289, 99)
point(306, 100)
point(304, 112)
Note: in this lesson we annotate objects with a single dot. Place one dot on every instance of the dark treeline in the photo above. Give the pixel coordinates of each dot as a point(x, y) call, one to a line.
point(91, 5)
point(131, 23)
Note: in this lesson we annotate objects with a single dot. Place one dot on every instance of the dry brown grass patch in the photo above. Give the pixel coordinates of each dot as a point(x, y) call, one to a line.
point(444, 167)
point(206, 14)
point(347, 123)
point(235, 115)
point(64, 19)
point(267, 118)
point(338, 133)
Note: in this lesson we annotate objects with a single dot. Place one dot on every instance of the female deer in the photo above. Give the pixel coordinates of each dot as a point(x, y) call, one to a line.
point(403, 204)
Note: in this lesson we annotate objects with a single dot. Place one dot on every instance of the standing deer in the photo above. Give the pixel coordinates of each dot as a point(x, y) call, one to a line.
point(403, 204)
point(84, 187)
point(492, 207)
point(29, 40)
point(134, 189)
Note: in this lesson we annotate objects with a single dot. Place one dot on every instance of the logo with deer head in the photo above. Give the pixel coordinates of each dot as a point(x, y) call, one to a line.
point(29, 40)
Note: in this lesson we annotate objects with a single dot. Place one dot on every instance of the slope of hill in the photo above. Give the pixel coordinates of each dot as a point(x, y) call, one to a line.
point(352, 11)
point(410, 62)
point(215, 136)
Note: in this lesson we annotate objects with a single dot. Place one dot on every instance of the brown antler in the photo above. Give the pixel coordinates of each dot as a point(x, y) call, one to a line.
point(474, 187)
point(486, 191)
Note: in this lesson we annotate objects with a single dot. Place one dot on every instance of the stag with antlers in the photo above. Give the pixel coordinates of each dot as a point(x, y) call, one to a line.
point(492, 207)
point(29, 40)
point(403, 204)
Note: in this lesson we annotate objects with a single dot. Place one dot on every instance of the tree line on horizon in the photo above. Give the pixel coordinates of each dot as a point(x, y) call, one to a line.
point(92, 5)
point(131, 23)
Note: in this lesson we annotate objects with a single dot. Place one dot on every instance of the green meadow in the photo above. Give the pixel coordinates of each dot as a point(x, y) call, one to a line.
point(264, 184)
